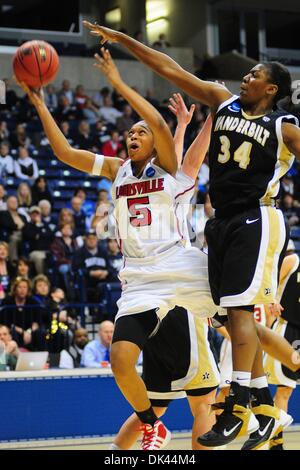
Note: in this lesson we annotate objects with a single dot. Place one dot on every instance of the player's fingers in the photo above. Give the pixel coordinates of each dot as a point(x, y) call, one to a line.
point(173, 102)
point(88, 24)
point(192, 109)
point(171, 108)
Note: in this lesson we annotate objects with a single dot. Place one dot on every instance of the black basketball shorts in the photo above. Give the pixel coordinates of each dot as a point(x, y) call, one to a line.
point(244, 254)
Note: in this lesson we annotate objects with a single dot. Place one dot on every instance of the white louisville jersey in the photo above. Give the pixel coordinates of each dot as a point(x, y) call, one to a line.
point(146, 210)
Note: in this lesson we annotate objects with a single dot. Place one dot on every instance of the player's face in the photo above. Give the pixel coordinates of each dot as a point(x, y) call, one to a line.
point(140, 142)
point(254, 85)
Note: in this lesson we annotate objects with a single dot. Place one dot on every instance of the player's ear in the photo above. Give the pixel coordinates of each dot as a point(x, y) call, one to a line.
point(272, 89)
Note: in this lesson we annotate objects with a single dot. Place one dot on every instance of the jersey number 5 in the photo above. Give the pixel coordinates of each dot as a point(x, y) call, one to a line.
point(141, 215)
point(241, 155)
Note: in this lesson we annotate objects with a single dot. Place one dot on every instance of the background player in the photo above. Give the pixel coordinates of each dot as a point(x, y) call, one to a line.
point(251, 149)
point(288, 326)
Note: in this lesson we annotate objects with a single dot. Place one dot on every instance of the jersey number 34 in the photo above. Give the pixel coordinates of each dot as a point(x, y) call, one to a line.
point(241, 155)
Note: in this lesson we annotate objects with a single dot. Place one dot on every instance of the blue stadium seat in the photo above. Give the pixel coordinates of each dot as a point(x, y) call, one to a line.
point(297, 246)
point(295, 232)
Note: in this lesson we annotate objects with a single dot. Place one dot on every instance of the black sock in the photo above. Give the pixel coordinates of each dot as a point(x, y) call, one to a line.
point(147, 416)
point(261, 396)
point(239, 394)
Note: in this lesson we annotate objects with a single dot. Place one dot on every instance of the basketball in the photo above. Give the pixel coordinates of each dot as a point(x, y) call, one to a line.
point(36, 63)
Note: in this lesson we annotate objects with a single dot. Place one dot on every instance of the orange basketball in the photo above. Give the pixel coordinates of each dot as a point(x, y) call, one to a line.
point(36, 63)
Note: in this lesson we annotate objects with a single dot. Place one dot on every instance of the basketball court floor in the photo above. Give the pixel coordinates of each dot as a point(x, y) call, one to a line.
point(180, 441)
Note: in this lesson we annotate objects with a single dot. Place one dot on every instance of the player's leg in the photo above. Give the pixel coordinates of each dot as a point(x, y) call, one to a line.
point(281, 400)
point(282, 396)
point(130, 430)
point(130, 335)
point(279, 348)
point(203, 418)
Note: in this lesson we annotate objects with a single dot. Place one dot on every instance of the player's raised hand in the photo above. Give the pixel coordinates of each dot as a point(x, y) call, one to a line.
point(107, 66)
point(36, 96)
point(105, 34)
point(177, 106)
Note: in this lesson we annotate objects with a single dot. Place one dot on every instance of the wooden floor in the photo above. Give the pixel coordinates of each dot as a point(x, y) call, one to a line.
point(180, 441)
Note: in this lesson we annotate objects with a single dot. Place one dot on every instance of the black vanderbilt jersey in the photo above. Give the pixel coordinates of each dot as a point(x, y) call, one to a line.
point(290, 299)
point(247, 158)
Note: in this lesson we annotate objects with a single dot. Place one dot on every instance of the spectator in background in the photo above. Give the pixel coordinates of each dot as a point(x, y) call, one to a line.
point(97, 352)
point(87, 205)
point(41, 289)
point(100, 95)
point(24, 199)
point(19, 137)
point(80, 96)
point(287, 186)
point(24, 268)
point(39, 237)
point(63, 249)
point(11, 96)
point(6, 161)
point(162, 42)
point(115, 259)
point(65, 217)
point(71, 358)
point(112, 146)
point(101, 135)
point(93, 263)
point(65, 128)
point(60, 311)
point(6, 269)
point(11, 347)
point(40, 190)
point(66, 111)
point(47, 217)
point(19, 312)
point(3, 205)
point(82, 138)
point(25, 167)
point(4, 132)
point(90, 112)
point(66, 91)
point(125, 121)
point(108, 112)
point(290, 210)
point(51, 98)
point(11, 225)
point(79, 215)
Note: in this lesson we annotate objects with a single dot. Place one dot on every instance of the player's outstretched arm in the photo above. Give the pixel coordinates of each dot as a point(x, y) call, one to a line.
point(163, 140)
point(198, 149)
point(209, 93)
point(183, 115)
point(80, 159)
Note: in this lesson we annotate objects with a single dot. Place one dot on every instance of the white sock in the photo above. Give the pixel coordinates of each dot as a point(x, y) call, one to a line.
point(114, 447)
point(259, 382)
point(241, 377)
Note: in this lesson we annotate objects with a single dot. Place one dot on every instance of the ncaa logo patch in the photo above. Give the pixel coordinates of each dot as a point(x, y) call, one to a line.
point(150, 172)
point(234, 107)
point(266, 119)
